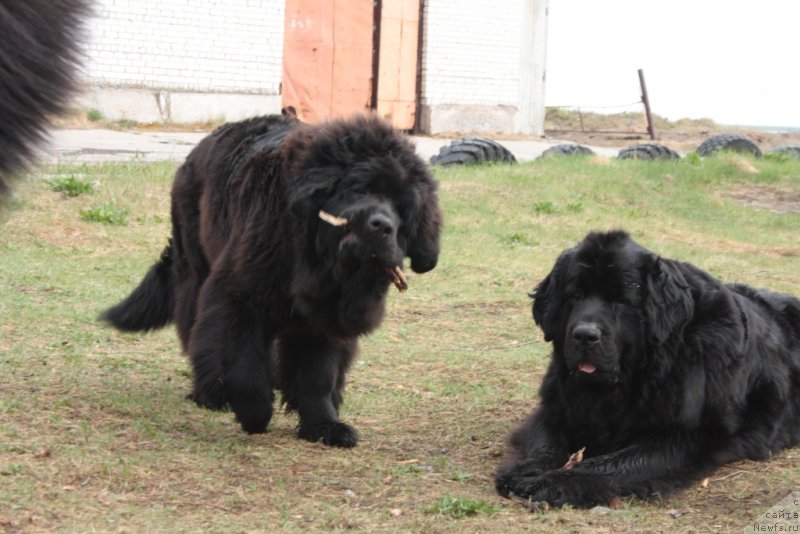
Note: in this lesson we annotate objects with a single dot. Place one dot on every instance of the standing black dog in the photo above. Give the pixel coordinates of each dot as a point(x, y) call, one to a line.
point(659, 370)
point(264, 293)
point(39, 53)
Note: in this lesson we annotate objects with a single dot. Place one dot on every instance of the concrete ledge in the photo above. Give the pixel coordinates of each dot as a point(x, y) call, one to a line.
point(161, 105)
point(445, 118)
point(110, 145)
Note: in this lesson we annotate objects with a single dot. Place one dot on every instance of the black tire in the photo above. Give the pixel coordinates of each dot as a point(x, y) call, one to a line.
point(729, 142)
point(472, 151)
point(567, 149)
point(648, 151)
point(786, 150)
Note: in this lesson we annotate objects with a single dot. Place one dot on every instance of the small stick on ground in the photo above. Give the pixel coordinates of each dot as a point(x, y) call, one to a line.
point(574, 459)
point(332, 219)
point(533, 506)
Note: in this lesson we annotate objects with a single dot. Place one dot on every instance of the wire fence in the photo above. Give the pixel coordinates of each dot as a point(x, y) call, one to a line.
point(644, 101)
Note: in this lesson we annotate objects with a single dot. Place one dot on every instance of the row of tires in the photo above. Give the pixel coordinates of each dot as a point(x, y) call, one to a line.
point(475, 150)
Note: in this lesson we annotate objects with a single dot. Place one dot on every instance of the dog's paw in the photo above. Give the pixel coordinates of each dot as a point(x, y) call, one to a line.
point(254, 418)
point(254, 425)
point(334, 434)
point(508, 475)
point(209, 402)
point(553, 490)
point(504, 482)
point(563, 487)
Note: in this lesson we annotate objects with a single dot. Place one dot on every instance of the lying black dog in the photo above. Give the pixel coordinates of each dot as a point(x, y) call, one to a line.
point(659, 370)
point(39, 52)
point(265, 293)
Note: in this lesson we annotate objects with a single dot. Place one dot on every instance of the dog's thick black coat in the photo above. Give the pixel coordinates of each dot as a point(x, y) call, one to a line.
point(264, 294)
point(659, 370)
point(40, 43)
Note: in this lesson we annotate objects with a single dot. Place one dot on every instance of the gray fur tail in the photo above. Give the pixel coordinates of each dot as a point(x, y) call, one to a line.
point(40, 50)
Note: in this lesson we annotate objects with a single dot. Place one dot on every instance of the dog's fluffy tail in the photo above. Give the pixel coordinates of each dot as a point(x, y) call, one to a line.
point(150, 305)
point(39, 54)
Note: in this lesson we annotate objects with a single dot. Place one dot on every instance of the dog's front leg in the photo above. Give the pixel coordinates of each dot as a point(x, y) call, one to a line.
point(655, 466)
point(312, 370)
point(536, 447)
point(228, 350)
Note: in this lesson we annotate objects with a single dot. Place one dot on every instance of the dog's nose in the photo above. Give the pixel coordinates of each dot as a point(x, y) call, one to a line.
point(586, 333)
point(380, 224)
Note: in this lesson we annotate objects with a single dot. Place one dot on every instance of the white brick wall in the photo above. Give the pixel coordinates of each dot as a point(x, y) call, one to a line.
point(186, 60)
point(472, 52)
point(190, 45)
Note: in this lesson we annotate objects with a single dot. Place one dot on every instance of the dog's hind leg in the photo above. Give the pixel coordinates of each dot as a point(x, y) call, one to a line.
point(189, 278)
point(189, 261)
point(762, 424)
point(311, 375)
point(186, 295)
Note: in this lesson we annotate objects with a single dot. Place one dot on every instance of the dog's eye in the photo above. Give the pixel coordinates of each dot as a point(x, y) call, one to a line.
point(578, 295)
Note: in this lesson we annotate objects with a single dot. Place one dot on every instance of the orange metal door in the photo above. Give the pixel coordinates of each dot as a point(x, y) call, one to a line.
point(397, 66)
point(327, 58)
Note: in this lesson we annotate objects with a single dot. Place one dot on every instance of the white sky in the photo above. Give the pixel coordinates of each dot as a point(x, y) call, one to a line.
point(734, 61)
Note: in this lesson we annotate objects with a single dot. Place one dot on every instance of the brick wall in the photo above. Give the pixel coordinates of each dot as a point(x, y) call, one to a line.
point(471, 52)
point(193, 45)
point(186, 60)
point(483, 66)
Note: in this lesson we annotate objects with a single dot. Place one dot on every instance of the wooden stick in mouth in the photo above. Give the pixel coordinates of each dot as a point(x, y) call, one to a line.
point(398, 279)
point(332, 219)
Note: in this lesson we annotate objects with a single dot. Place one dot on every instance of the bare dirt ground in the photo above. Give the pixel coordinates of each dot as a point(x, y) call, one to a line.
point(626, 129)
point(681, 140)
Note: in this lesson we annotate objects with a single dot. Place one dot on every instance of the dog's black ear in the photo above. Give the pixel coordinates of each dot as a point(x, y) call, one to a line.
point(309, 198)
point(541, 298)
point(668, 302)
point(423, 246)
point(547, 295)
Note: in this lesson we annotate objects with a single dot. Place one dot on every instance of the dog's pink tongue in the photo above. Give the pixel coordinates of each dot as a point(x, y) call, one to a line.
point(586, 368)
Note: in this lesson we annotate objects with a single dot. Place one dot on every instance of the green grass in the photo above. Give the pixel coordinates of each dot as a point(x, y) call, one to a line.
point(458, 507)
point(98, 119)
point(106, 212)
point(70, 186)
point(94, 115)
point(95, 433)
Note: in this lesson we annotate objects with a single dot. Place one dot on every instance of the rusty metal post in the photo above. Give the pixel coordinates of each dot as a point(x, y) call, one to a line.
point(377, 7)
point(651, 128)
